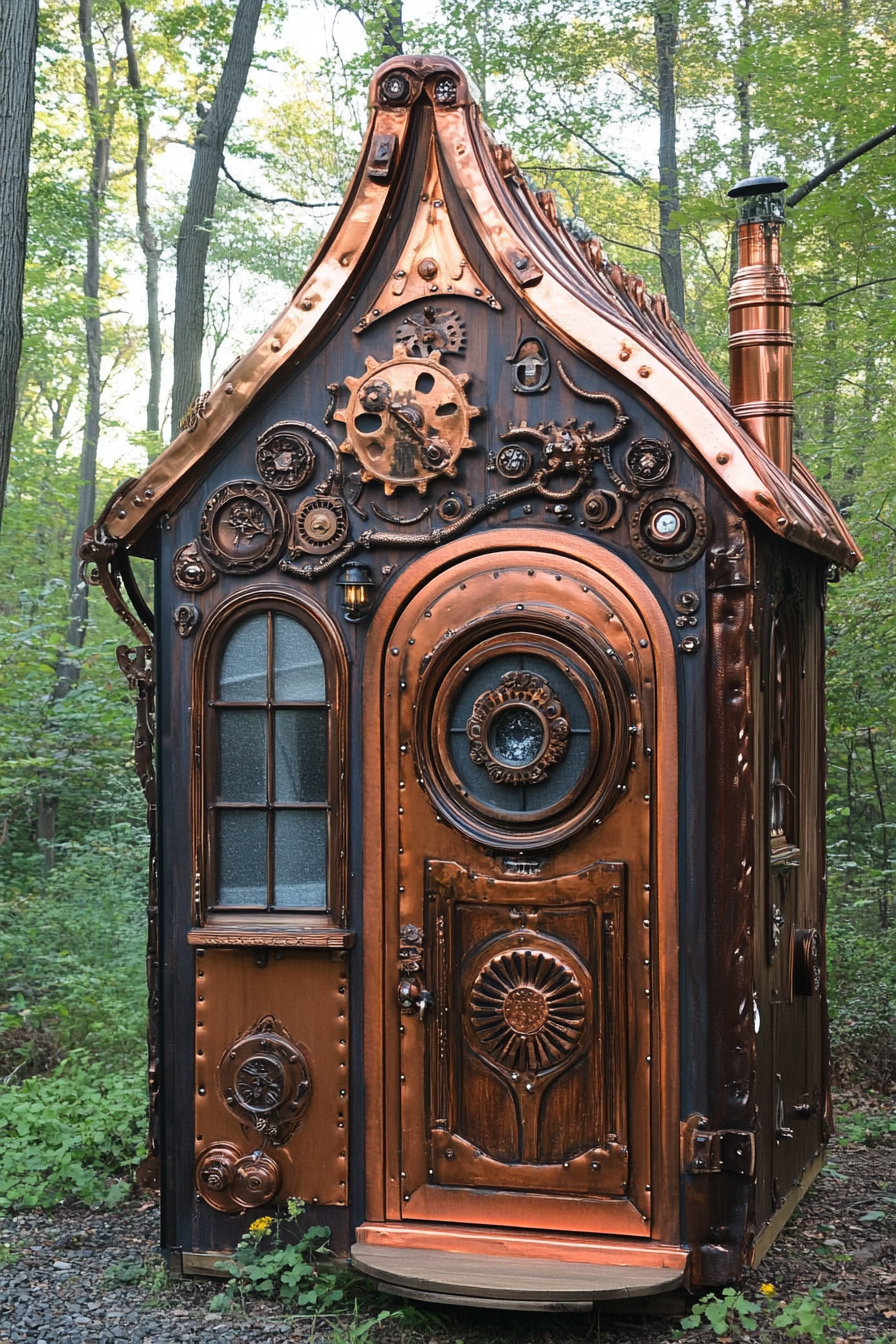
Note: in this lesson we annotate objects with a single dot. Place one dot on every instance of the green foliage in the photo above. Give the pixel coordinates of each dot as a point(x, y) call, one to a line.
point(732, 1311)
point(807, 1316)
point(71, 976)
point(268, 1264)
point(66, 1134)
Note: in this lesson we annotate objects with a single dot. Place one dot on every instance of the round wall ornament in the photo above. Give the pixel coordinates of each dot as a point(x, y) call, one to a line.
point(518, 729)
point(284, 456)
point(242, 528)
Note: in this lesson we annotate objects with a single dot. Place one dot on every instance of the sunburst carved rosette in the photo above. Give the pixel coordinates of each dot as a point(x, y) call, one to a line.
point(527, 1011)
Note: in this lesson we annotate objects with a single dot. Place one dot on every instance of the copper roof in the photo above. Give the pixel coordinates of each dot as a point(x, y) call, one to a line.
point(593, 306)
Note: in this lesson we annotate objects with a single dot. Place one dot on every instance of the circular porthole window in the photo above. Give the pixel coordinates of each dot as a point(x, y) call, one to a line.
point(521, 735)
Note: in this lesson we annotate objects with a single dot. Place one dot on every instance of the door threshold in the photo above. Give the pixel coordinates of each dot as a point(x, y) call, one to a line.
point(508, 1282)
point(479, 1241)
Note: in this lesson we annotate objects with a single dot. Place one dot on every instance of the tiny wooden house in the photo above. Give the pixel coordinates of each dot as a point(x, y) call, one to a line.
point(482, 735)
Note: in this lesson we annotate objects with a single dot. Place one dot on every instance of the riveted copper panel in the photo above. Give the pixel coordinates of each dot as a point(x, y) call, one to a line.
point(307, 992)
point(471, 595)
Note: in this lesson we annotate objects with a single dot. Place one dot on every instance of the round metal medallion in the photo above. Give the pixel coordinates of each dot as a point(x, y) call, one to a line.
point(242, 528)
point(320, 525)
point(648, 461)
point(284, 457)
point(514, 461)
point(265, 1081)
point(518, 729)
point(669, 528)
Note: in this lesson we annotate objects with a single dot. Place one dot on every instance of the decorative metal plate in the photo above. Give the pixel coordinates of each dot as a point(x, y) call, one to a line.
point(242, 528)
point(284, 456)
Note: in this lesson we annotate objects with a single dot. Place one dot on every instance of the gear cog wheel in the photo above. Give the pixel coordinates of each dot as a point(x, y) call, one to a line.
point(407, 420)
point(433, 329)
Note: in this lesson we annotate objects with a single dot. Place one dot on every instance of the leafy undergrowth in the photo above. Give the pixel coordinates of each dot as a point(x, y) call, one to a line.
point(72, 1021)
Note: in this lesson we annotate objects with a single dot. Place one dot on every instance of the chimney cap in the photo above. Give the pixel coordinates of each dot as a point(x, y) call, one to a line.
point(757, 186)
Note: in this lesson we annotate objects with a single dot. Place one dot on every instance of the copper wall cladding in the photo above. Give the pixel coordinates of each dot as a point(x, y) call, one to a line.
point(306, 992)
point(760, 342)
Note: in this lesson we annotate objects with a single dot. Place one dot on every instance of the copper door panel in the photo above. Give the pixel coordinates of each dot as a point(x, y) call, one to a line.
point(526, 1039)
point(554, 890)
point(255, 1093)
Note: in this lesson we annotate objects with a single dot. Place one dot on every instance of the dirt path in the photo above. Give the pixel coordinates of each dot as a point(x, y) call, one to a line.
point(75, 1276)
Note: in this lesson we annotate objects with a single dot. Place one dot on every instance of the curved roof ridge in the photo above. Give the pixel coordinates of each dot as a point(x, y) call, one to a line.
point(596, 308)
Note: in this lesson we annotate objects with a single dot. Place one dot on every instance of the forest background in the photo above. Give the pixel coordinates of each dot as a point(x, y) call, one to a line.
point(161, 242)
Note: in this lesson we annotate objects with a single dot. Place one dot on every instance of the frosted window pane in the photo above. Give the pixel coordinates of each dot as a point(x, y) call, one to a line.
point(300, 863)
point(243, 759)
point(245, 661)
point(298, 666)
point(243, 841)
point(300, 740)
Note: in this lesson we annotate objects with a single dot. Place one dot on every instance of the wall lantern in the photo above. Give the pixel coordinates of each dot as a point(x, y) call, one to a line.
point(357, 596)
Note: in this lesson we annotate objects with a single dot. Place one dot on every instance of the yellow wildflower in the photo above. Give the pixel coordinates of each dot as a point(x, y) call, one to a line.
point(768, 1289)
point(260, 1225)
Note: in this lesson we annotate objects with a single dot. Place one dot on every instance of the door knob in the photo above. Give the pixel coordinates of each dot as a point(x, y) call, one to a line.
point(412, 996)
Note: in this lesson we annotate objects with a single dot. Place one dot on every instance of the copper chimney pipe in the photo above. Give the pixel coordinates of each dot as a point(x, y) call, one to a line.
point(760, 341)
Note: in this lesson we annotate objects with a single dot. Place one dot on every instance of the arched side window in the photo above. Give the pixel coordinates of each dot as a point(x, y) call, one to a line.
point(271, 768)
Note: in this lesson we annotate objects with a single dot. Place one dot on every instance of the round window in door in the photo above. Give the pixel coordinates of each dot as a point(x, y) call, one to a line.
point(522, 735)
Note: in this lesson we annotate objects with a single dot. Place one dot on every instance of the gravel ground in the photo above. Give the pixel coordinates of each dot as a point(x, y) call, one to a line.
point(78, 1276)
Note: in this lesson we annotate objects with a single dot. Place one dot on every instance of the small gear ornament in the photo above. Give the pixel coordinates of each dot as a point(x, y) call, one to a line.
point(407, 420)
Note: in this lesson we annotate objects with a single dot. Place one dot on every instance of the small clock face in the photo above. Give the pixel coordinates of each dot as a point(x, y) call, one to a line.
point(407, 421)
point(666, 525)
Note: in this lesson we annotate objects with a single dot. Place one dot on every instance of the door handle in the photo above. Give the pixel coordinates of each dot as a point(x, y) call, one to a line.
point(412, 996)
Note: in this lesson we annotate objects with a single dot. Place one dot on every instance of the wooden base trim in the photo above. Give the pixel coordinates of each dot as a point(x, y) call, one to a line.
point(492, 1303)
point(206, 1263)
point(492, 1241)
point(763, 1239)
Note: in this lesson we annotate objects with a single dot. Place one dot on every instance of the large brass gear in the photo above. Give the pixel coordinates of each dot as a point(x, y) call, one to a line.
point(407, 420)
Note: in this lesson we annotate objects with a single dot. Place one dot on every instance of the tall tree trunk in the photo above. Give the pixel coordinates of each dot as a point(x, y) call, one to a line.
point(744, 101)
point(193, 238)
point(67, 667)
point(18, 43)
point(665, 29)
point(148, 239)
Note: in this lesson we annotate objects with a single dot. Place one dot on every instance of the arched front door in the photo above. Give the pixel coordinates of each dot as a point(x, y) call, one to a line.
point(521, 940)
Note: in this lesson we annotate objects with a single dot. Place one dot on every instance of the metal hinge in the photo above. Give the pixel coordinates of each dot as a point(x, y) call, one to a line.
point(704, 1151)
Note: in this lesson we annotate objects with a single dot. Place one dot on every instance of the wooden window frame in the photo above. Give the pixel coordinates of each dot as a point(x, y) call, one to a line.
point(206, 707)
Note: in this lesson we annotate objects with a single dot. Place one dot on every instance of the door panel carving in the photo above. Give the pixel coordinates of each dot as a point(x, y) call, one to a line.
point(526, 1034)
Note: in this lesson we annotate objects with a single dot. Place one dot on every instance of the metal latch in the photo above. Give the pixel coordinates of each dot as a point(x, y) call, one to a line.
point(704, 1151)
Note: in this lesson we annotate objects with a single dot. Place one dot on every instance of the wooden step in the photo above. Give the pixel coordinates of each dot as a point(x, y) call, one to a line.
point(509, 1282)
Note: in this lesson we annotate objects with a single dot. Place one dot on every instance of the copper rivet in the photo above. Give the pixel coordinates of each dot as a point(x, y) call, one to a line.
point(229, 389)
point(781, 522)
point(346, 260)
point(721, 458)
point(307, 305)
point(644, 371)
point(122, 513)
point(428, 268)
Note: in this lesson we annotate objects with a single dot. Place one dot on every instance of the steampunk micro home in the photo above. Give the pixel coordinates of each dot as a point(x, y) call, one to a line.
point(487, 785)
